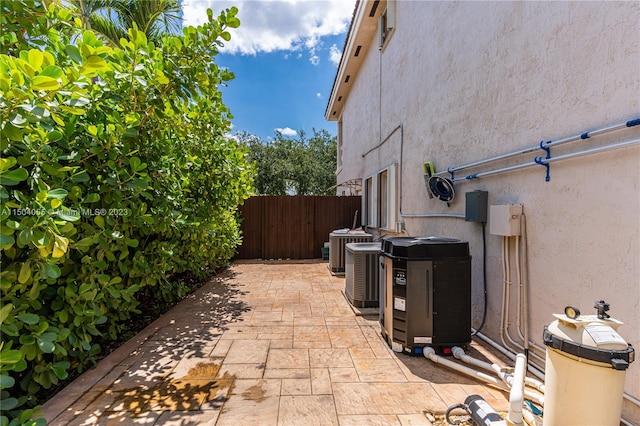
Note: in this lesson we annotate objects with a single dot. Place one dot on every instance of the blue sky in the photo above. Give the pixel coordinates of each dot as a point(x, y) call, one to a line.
point(284, 55)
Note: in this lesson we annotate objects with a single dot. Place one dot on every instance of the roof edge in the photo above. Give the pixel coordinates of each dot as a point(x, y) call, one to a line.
point(356, 18)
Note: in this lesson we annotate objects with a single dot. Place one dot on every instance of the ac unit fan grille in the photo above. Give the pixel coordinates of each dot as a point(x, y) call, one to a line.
point(337, 248)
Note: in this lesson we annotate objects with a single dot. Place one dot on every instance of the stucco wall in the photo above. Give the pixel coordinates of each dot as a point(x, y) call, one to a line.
point(472, 80)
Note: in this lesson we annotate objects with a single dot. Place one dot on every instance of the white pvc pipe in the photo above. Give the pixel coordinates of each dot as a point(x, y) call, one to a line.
point(506, 300)
point(632, 399)
point(534, 383)
point(532, 369)
point(525, 289)
point(453, 215)
point(516, 396)
point(520, 295)
point(430, 354)
point(460, 354)
point(507, 378)
point(529, 418)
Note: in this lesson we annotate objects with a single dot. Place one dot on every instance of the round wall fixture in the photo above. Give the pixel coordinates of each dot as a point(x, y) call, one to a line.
point(442, 188)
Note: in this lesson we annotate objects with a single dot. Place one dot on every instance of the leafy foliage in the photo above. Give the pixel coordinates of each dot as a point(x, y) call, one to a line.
point(115, 180)
point(111, 18)
point(302, 166)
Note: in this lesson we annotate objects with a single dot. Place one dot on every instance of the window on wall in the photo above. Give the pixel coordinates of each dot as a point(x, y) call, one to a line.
point(386, 23)
point(383, 188)
point(379, 202)
point(339, 153)
point(368, 202)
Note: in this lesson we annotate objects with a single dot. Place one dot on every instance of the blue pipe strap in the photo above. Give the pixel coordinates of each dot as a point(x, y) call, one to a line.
point(546, 148)
point(585, 135)
point(632, 123)
point(540, 161)
point(450, 172)
point(471, 176)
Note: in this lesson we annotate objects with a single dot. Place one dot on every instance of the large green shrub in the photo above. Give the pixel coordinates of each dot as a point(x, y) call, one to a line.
point(116, 179)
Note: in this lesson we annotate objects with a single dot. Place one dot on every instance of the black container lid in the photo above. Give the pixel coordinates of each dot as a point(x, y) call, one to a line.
point(424, 247)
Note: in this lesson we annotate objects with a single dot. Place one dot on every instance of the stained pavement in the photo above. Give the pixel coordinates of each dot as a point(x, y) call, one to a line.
point(264, 343)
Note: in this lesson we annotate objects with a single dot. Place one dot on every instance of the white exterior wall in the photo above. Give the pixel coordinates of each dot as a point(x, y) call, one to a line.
point(471, 80)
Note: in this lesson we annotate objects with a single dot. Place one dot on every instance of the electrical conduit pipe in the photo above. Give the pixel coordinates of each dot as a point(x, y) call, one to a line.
point(549, 144)
point(506, 301)
point(521, 301)
point(525, 286)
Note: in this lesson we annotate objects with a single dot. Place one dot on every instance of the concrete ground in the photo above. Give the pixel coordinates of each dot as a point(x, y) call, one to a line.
point(265, 343)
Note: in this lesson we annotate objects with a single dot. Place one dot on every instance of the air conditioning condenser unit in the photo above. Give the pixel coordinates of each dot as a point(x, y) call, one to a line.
point(361, 274)
point(337, 243)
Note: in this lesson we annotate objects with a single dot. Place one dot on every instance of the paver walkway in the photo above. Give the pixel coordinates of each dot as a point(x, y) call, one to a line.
point(266, 343)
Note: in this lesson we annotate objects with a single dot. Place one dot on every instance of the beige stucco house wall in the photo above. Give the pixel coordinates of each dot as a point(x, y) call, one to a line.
point(458, 82)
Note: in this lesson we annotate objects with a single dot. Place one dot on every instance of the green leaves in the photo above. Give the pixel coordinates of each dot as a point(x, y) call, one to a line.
point(115, 182)
point(74, 53)
point(44, 82)
point(93, 64)
point(9, 176)
point(28, 318)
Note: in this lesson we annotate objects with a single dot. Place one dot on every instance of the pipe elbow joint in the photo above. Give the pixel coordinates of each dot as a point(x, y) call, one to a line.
point(458, 352)
point(428, 352)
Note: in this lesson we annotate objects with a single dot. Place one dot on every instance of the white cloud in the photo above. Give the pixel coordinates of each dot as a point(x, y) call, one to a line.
point(286, 131)
point(335, 54)
point(270, 25)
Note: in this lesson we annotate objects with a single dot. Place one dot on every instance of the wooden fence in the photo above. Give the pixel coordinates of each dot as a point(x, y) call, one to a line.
point(293, 227)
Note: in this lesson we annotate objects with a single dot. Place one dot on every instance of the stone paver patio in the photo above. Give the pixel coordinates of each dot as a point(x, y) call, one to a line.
point(265, 343)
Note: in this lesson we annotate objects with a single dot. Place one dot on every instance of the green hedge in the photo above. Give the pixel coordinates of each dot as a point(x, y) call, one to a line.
point(116, 179)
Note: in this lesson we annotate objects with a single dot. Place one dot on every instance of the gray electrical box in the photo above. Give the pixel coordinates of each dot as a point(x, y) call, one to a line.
point(476, 206)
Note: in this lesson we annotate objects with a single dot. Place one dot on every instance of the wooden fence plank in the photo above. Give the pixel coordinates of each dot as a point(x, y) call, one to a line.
point(292, 227)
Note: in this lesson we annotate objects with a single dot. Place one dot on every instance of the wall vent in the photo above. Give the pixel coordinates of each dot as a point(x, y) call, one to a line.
point(372, 13)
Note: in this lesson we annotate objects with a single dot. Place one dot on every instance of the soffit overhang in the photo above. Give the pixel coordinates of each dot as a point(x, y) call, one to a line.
point(360, 38)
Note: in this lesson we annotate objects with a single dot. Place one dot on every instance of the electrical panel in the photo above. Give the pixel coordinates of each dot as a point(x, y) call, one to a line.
point(505, 219)
point(476, 206)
